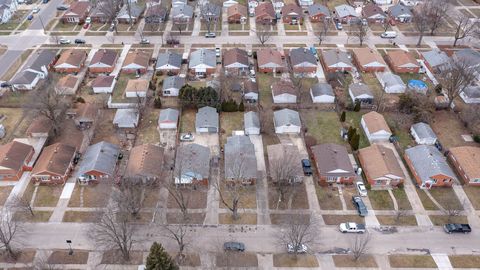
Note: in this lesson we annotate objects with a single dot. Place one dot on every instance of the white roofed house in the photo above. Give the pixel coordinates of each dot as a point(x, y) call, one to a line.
point(126, 118)
point(471, 94)
point(284, 92)
point(252, 123)
point(322, 93)
point(168, 119)
point(287, 121)
point(423, 134)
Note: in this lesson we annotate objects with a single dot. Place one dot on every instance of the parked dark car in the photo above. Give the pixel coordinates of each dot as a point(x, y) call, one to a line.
point(307, 167)
point(234, 246)
point(360, 205)
point(62, 7)
point(457, 228)
point(5, 84)
point(79, 41)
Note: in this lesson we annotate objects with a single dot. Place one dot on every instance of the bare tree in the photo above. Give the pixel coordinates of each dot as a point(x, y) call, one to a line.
point(456, 77)
point(322, 33)
point(359, 30)
point(471, 118)
point(180, 234)
point(359, 246)
point(179, 26)
point(10, 232)
point(283, 173)
point(420, 21)
point(466, 27)
point(452, 210)
point(263, 33)
point(130, 194)
point(399, 213)
point(210, 14)
point(115, 231)
point(22, 204)
point(436, 13)
point(110, 8)
point(298, 232)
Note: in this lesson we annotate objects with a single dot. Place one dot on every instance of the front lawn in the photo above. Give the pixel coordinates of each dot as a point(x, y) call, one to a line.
point(229, 121)
point(380, 200)
point(328, 198)
point(290, 260)
point(411, 261)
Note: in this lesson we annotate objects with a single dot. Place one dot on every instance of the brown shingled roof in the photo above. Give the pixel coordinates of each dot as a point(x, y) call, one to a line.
point(366, 56)
point(137, 57)
point(283, 87)
point(468, 157)
point(331, 157)
point(103, 81)
point(379, 161)
point(401, 57)
point(14, 154)
point(55, 159)
point(145, 160)
point(265, 56)
point(375, 122)
point(235, 55)
point(72, 57)
point(237, 9)
point(104, 56)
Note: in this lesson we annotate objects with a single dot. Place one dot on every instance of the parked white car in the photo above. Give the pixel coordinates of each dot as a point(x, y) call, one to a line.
point(300, 249)
point(362, 190)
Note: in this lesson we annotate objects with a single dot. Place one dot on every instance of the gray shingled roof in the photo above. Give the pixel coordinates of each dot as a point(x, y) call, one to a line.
point(202, 56)
point(206, 117)
point(334, 56)
point(176, 82)
point(424, 131)
point(240, 160)
point(251, 120)
point(399, 10)
point(317, 9)
point(471, 57)
point(330, 157)
point(193, 160)
point(184, 10)
point(472, 91)
point(169, 58)
point(436, 57)
point(135, 10)
point(345, 10)
point(428, 161)
point(391, 79)
point(302, 55)
point(125, 117)
point(39, 59)
point(24, 77)
point(358, 89)
point(320, 89)
point(286, 117)
point(100, 157)
point(168, 115)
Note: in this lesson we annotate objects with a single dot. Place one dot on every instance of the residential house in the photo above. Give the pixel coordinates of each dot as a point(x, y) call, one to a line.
point(265, 14)
point(146, 162)
point(67, 85)
point(54, 164)
point(346, 14)
point(380, 166)
point(292, 14)
point(136, 88)
point(333, 164)
point(428, 166)
point(77, 12)
point(401, 61)
point(400, 13)
point(192, 164)
point(423, 134)
point(136, 62)
point(284, 91)
point(240, 161)
point(182, 14)
point(35, 69)
point(281, 154)
point(171, 86)
point(210, 12)
point(14, 159)
point(176, 3)
point(250, 91)
point(126, 118)
point(322, 93)
point(391, 83)
point(237, 14)
point(375, 127)
point(70, 61)
point(435, 60)
point(465, 161)
point(203, 62)
point(130, 16)
point(41, 127)
point(103, 61)
point(252, 123)
point(270, 61)
point(103, 84)
point(336, 61)
point(287, 121)
point(368, 60)
point(471, 94)
point(169, 62)
point(471, 58)
point(318, 13)
point(98, 163)
point(235, 62)
point(206, 120)
point(303, 62)
point(373, 13)
point(360, 92)
point(7, 9)
point(97, 13)
point(156, 14)
point(168, 119)
point(85, 115)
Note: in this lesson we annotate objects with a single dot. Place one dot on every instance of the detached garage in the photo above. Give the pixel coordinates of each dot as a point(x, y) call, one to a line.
point(252, 123)
point(206, 120)
point(286, 121)
point(168, 119)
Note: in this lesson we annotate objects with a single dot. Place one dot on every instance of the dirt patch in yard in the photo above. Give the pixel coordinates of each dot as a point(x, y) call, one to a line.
point(4, 193)
point(69, 134)
point(402, 199)
point(148, 132)
point(77, 216)
point(115, 257)
point(105, 131)
point(62, 257)
point(229, 121)
point(394, 221)
point(48, 196)
point(290, 260)
point(337, 219)
point(328, 198)
point(93, 195)
point(24, 256)
point(236, 259)
point(412, 261)
point(446, 197)
point(197, 199)
point(380, 200)
point(298, 198)
point(449, 129)
point(193, 218)
point(245, 218)
point(348, 261)
point(26, 216)
point(347, 193)
point(465, 261)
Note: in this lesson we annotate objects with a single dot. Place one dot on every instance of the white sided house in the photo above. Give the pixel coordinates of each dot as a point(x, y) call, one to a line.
point(391, 83)
point(375, 127)
point(322, 93)
point(423, 134)
point(103, 84)
point(287, 121)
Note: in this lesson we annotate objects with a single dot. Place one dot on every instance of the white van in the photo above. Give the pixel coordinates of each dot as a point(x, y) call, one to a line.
point(389, 34)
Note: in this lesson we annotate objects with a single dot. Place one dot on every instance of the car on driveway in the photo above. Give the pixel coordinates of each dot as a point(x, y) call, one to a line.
point(234, 246)
point(360, 205)
point(301, 248)
point(362, 190)
point(187, 137)
point(86, 25)
point(64, 41)
point(307, 167)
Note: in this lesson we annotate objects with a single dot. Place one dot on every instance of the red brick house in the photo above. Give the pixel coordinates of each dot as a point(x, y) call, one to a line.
point(401, 61)
point(318, 13)
point(380, 166)
point(303, 61)
point(368, 60)
point(333, 164)
point(14, 159)
point(103, 61)
point(54, 164)
point(237, 14)
point(265, 14)
point(465, 161)
point(98, 163)
point(270, 61)
point(292, 14)
point(136, 61)
point(70, 61)
point(77, 13)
